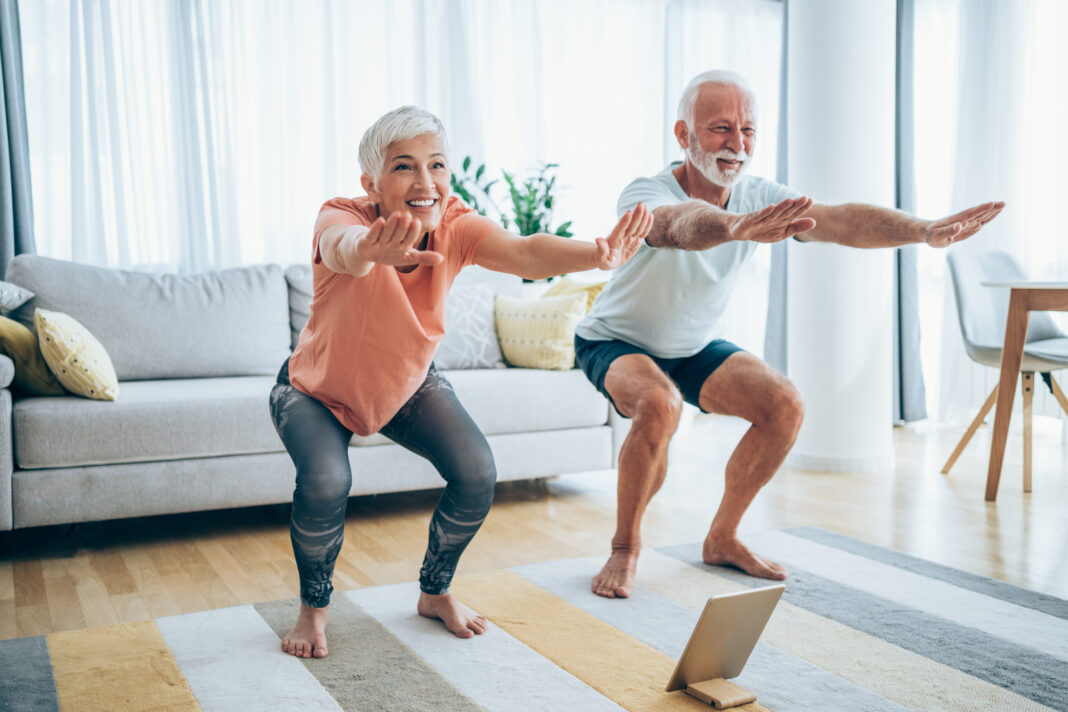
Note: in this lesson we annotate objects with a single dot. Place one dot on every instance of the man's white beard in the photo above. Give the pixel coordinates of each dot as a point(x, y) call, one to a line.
point(706, 163)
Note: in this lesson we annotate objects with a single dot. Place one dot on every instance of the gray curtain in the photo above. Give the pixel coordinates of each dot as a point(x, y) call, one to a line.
point(775, 328)
point(16, 205)
point(910, 397)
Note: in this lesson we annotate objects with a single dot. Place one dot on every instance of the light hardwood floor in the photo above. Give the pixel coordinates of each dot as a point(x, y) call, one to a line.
point(62, 578)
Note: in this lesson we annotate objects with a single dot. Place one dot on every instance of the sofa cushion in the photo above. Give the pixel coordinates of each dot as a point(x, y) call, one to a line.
point(540, 333)
point(550, 400)
point(227, 323)
point(12, 296)
point(206, 417)
point(75, 356)
point(154, 420)
point(299, 281)
point(31, 374)
point(470, 339)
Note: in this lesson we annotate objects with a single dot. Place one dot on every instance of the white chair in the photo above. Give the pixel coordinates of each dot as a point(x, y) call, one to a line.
point(982, 312)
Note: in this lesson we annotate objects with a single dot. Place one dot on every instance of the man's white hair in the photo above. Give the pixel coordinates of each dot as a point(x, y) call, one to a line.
point(715, 76)
point(398, 125)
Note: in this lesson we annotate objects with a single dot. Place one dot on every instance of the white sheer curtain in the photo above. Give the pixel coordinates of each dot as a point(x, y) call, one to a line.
point(206, 133)
point(990, 115)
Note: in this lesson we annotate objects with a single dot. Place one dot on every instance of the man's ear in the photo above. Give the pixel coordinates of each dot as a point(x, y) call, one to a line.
point(369, 188)
point(682, 134)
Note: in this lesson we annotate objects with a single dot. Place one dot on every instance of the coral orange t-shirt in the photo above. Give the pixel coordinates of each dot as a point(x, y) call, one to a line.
point(369, 340)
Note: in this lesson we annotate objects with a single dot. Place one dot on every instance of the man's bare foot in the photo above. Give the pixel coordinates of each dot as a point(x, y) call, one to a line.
point(616, 578)
point(458, 618)
point(308, 637)
point(728, 551)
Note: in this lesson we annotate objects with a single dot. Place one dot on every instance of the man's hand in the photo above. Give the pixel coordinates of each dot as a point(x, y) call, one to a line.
point(773, 223)
point(393, 242)
point(625, 238)
point(940, 233)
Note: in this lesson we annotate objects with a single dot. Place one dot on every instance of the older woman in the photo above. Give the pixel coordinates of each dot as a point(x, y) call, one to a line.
point(382, 265)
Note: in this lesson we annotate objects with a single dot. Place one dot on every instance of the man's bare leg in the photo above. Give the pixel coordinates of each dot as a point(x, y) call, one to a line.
point(308, 637)
point(776, 414)
point(644, 393)
point(458, 618)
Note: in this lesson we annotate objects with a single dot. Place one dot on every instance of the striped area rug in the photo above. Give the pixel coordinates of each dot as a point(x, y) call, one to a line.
point(860, 628)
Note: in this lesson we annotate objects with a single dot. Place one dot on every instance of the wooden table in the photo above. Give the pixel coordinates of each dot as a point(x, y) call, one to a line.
point(1025, 297)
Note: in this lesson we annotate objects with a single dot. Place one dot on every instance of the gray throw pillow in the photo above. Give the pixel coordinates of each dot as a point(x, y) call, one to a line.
point(470, 339)
point(12, 296)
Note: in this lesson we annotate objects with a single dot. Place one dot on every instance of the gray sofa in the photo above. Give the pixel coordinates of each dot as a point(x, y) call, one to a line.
point(196, 357)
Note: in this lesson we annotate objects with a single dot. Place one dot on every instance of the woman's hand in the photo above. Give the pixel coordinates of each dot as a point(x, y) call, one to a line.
point(625, 238)
point(394, 242)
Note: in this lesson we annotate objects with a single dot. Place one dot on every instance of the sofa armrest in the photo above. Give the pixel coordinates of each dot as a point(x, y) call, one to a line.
point(620, 428)
point(7, 371)
point(7, 461)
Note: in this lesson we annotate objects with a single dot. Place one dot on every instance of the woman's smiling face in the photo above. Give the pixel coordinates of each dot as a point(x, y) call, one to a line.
point(414, 179)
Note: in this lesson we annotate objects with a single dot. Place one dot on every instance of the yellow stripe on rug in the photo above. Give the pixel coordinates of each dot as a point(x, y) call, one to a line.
point(121, 667)
point(884, 668)
point(620, 667)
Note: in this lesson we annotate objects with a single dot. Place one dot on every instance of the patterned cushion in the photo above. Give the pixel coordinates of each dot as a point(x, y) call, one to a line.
point(540, 333)
point(32, 375)
point(566, 285)
point(12, 296)
point(75, 356)
point(470, 339)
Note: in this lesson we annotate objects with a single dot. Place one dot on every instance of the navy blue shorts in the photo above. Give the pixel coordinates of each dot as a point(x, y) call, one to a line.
point(688, 373)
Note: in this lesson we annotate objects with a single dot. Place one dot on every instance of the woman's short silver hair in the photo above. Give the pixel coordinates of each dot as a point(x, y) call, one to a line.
point(398, 125)
point(715, 76)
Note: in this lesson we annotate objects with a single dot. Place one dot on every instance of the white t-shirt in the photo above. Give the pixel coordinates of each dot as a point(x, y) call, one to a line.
point(670, 301)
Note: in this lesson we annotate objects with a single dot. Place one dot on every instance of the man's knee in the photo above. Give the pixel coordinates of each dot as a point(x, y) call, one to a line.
point(658, 410)
point(787, 408)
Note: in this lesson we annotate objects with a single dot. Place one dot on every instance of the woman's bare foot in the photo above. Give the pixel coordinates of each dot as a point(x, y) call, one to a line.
point(616, 578)
point(308, 637)
point(458, 618)
point(728, 551)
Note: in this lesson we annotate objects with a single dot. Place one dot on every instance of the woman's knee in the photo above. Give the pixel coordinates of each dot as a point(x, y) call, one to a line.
point(322, 486)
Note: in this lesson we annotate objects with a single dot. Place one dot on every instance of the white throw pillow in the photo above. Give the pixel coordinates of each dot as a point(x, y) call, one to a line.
point(12, 296)
point(76, 358)
point(470, 339)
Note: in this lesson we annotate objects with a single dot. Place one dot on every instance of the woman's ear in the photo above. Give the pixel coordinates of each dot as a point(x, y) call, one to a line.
point(369, 188)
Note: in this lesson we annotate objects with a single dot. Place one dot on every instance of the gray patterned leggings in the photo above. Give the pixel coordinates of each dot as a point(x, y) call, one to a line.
point(432, 424)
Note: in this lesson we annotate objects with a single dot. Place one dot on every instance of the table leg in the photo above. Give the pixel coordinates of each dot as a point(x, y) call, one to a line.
point(1011, 357)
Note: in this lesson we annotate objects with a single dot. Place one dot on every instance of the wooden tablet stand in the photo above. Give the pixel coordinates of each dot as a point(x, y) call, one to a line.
point(720, 693)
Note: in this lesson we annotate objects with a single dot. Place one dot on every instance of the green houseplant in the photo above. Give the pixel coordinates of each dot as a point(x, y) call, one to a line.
point(530, 199)
point(532, 203)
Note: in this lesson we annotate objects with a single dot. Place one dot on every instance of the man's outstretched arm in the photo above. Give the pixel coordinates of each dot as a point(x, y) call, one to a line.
point(697, 225)
point(861, 225)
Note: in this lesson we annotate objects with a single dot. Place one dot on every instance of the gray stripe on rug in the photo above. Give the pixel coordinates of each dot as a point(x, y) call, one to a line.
point(26, 683)
point(988, 587)
point(780, 680)
point(368, 668)
point(1020, 669)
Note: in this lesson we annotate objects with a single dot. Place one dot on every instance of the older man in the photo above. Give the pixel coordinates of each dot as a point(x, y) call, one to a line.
point(652, 340)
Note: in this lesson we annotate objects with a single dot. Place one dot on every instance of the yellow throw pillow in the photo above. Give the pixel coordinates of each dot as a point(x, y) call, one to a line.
point(32, 375)
point(539, 333)
point(566, 285)
point(79, 361)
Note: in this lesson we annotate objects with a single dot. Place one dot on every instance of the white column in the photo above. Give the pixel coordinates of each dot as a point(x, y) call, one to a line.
point(840, 128)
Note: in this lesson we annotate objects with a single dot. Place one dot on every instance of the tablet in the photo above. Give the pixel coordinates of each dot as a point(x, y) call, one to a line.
point(725, 635)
